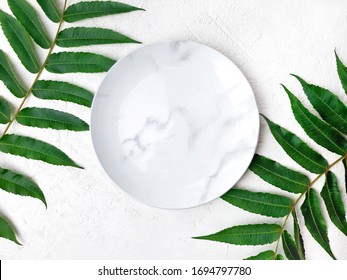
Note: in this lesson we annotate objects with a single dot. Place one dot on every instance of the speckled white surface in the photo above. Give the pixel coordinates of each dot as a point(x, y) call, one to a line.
point(88, 218)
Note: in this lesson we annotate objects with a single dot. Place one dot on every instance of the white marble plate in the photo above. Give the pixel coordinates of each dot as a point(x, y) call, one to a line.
point(175, 124)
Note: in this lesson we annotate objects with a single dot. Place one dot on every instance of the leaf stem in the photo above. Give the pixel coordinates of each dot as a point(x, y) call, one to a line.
point(309, 186)
point(38, 75)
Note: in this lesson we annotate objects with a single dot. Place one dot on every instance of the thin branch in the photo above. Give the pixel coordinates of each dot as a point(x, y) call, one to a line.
point(309, 186)
point(42, 68)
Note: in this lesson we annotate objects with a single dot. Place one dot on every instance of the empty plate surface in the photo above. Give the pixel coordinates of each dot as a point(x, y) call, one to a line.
point(175, 124)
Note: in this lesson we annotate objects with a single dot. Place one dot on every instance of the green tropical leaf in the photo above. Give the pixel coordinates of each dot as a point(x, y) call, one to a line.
point(5, 111)
point(49, 118)
point(267, 255)
point(279, 257)
point(84, 36)
point(20, 42)
point(279, 175)
point(327, 104)
point(345, 166)
point(51, 9)
point(297, 149)
point(55, 90)
point(298, 237)
point(83, 10)
point(258, 234)
point(6, 231)
point(9, 78)
point(18, 184)
point(259, 202)
point(321, 132)
point(34, 149)
point(289, 246)
point(71, 62)
point(315, 222)
point(28, 17)
point(333, 202)
point(342, 71)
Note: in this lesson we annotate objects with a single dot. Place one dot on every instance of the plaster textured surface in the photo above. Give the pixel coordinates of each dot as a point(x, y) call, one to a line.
point(89, 218)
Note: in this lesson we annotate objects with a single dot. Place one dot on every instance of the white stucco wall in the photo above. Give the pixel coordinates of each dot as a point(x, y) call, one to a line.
point(90, 218)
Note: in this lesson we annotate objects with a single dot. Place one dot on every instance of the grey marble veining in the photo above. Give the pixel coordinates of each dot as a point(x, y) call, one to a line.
point(175, 124)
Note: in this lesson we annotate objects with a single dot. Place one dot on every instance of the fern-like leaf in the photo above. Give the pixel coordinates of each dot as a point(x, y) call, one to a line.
point(333, 202)
point(85, 36)
point(28, 17)
point(9, 78)
point(258, 234)
point(20, 42)
point(49, 118)
point(5, 111)
point(315, 222)
point(266, 204)
point(82, 62)
point(92, 9)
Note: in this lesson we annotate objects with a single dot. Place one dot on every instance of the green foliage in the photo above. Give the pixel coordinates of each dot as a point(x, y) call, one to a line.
point(92, 9)
point(73, 62)
point(7, 231)
point(84, 36)
point(258, 234)
point(333, 201)
point(23, 30)
point(18, 184)
point(8, 77)
point(267, 255)
point(267, 204)
point(20, 41)
point(289, 247)
point(49, 118)
point(28, 17)
point(34, 149)
point(279, 175)
point(329, 131)
point(55, 90)
point(5, 111)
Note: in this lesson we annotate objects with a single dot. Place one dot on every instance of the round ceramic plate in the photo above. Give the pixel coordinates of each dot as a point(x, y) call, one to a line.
point(175, 124)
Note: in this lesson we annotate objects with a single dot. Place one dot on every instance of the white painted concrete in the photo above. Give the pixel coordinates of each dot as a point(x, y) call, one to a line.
point(89, 218)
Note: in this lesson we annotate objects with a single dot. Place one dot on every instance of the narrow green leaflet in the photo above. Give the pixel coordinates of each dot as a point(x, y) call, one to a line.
point(5, 111)
point(18, 184)
point(55, 90)
point(279, 257)
point(342, 71)
point(20, 42)
point(315, 222)
point(28, 17)
point(9, 78)
point(51, 9)
point(258, 234)
point(279, 175)
point(259, 202)
point(327, 104)
point(345, 166)
point(267, 255)
point(49, 118)
point(297, 149)
point(72, 62)
point(298, 237)
point(289, 246)
point(333, 202)
point(321, 132)
point(84, 36)
point(34, 149)
point(83, 10)
point(6, 231)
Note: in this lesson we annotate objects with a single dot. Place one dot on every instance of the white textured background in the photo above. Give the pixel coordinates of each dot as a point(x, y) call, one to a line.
point(89, 218)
